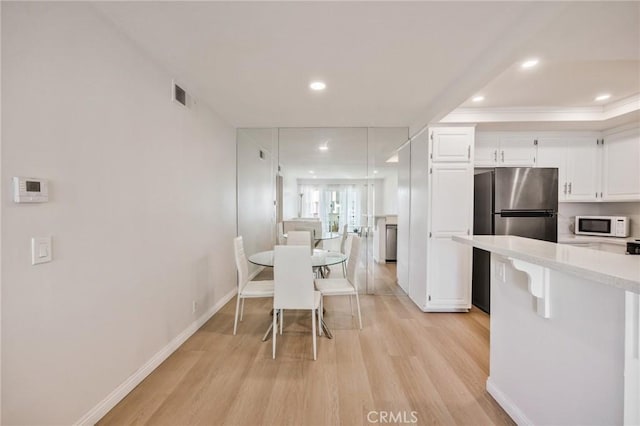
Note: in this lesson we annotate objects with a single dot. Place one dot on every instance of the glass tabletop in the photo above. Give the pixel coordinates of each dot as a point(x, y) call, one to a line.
point(319, 258)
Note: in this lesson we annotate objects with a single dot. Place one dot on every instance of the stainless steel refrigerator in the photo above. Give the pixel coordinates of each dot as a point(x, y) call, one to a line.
point(520, 201)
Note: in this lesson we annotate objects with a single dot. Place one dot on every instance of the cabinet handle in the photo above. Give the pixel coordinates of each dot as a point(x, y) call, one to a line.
point(469, 152)
point(565, 187)
point(569, 187)
point(495, 156)
point(503, 156)
point(601, 195)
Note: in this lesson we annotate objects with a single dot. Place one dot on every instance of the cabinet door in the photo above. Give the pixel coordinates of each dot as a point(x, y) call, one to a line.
point(452, 144)
point(449, 275)
point(451, 199)
point(404, 203)
point(583, 169)
point(517, 151)
point(621, 167)
point(486, 150)
point(449, 265)
point(552, 152)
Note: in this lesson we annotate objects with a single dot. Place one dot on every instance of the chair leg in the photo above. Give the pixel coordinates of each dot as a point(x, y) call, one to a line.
point(358, 304)
point(313, 331)
point(274, 332)
point(320, 319)
point(235, 322)
point(281, 320)
point(344, 270)
point(242, 309)
point(351, 304)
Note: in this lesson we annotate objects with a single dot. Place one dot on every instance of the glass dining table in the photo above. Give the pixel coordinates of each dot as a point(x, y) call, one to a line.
point(319, 259)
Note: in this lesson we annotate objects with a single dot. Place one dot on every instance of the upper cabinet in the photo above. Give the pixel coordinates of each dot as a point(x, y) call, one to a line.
point(592, 167)
point(505, 149)
point(452, 144)
point(577, 158)
point(621, 166)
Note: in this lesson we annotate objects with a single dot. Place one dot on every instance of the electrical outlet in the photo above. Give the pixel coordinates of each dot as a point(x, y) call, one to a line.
point(194, 306)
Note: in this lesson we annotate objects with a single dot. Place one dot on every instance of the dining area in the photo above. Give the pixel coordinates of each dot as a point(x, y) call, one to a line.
point(300, 276)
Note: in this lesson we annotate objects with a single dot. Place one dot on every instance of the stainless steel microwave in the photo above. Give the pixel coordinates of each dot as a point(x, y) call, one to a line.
point(606, 226)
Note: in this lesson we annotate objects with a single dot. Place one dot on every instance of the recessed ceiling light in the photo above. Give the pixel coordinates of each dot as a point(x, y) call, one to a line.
point(323, 148)
point(529, 63)
point(375, 172)
point(393, 159)
point(478, 98)
point(318, 85)
point(311, 171)
point(603, 97)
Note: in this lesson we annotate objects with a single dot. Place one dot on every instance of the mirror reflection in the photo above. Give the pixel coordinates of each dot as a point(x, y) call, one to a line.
point(332, 182)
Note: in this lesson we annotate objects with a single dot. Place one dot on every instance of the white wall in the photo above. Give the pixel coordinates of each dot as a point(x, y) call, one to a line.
point(142, 211)
point(256, 189)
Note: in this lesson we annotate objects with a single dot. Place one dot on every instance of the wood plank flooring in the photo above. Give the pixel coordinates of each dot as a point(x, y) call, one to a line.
point(402, 361)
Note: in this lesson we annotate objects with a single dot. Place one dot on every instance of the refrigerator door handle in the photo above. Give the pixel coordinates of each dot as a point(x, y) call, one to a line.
point(527, 213)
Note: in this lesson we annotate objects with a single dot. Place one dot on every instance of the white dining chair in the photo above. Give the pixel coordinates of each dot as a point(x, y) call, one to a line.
point(293, 280)
point(345, 286)
point(300, 238)
point(343, 238)
point(247, 289)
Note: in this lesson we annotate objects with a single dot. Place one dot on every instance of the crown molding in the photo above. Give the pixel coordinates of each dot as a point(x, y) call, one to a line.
point(547, 114)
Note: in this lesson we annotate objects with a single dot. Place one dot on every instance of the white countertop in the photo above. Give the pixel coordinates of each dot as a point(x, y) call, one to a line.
point(617, 270)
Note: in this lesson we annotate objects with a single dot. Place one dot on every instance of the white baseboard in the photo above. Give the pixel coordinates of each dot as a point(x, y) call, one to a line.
point(507, 404)
point(97, 412)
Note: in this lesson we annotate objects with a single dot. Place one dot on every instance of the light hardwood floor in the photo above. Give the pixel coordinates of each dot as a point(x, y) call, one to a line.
point(403, 360)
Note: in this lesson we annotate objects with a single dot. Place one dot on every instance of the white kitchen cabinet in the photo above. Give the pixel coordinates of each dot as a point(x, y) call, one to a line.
point(441, 206)
point(583, 169)
point(577, 157)
point(517, 150)
point(486, 150)
point(552, 152)
point(452, 144)
point(449, 263)
point(501, 149)
point(451, 213)
point(621, 166)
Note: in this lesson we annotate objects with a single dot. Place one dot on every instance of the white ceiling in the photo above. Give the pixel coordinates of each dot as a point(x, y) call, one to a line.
point(352, 153)
point(385, 63)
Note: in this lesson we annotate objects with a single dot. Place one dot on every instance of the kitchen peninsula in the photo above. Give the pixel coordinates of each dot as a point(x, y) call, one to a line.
point(565, 332)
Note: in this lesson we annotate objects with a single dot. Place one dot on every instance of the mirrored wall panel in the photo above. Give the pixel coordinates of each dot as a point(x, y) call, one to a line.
point(337, 183)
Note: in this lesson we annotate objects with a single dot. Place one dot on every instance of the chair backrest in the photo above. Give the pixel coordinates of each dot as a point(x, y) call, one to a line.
point(280, 230)
point(292, 277)
point(241, 263)
point(352, 262)
point(295, 225)
point(343, 239)
point(300, 238)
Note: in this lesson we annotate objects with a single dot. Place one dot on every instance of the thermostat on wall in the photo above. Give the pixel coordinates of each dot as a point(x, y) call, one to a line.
point(30, 190)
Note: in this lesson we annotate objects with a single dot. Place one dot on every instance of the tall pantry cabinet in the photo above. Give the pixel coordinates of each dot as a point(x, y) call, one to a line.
point(441, 205)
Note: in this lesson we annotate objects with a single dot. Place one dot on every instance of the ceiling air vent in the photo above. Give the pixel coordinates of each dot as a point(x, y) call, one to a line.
point(180, 95)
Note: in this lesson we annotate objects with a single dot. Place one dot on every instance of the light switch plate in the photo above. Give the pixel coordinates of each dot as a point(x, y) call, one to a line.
point(41, 250)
